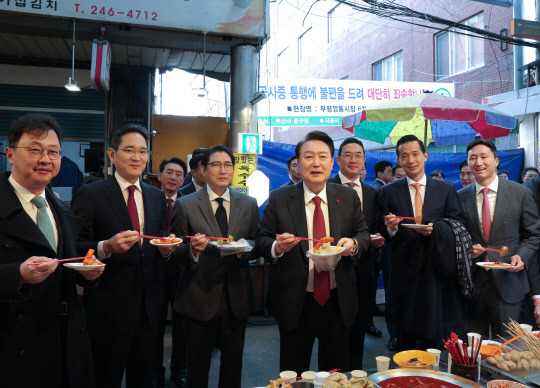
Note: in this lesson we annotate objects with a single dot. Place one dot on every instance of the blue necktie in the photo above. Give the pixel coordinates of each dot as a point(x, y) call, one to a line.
point(43, 220)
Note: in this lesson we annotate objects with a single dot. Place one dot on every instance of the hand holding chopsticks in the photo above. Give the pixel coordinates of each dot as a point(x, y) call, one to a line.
point(502, 252)
point(88, 254)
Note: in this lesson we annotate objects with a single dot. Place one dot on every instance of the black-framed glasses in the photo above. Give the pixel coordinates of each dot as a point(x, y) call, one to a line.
point(37, 152)
point(216, 166)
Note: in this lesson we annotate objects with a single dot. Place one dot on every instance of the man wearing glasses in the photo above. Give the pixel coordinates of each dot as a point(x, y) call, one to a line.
point(43, 337)
point(215, 293)
point(124, 309)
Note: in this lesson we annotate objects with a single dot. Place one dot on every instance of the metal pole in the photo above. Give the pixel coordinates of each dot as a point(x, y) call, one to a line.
point(425, 133)
point(243, 88)
point(537, 73)
point(518, 50)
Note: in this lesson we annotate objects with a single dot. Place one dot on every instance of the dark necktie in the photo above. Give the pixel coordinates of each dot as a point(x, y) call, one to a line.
point(170, 212)
point(221, 218)
point(351, 184)
point(321, 280)
point(132, 208)
point(486, 214)
point(43, 221)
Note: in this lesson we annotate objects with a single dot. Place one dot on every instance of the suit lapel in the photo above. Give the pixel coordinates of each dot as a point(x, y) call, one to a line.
point(501, 206)
point(429, 198)
point(333, 212)
point(118, 203)
point(297, 210)
point(207, 212)
point(405, 198)
point(471, 208)
point(234, 212)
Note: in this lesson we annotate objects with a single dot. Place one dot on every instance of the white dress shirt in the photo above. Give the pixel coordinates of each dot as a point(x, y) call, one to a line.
point(25, 196)
point(357, 186)
point(197, 187)
point(137, 194)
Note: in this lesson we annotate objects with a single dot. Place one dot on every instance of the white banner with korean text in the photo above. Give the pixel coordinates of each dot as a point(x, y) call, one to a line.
point(320, 102)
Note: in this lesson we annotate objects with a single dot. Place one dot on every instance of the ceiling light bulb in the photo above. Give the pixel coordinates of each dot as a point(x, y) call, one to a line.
point(72, 86)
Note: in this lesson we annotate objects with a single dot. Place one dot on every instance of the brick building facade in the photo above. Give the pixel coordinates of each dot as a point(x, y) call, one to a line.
point(335, 41)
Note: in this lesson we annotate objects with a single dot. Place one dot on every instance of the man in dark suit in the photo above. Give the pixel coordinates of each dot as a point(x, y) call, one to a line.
point(413, 270)
point(124, 310)
point(383, 174)
point(498, 213)
point(533, 271)
point(171, 175)
point(308, 303)
point(196, 171)
point(43, 336)
point(215, 294)
point(351, 159)
point(294, 171)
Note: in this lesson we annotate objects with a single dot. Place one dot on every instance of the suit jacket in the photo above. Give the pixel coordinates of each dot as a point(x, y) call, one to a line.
point(515, 225)
point(533, 270)
point(130, 278)
point(289, 183)
point(288, 275)
point(377, 185)
point(202, 284)
point(31, 326)
point(187, 189)
point(440, 201)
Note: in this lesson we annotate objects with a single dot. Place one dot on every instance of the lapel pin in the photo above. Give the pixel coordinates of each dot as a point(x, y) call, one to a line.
point(337, 200)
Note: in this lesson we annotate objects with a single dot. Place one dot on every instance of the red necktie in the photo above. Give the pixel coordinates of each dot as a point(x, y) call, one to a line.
point(486, 214)
point(321, 280)
point(170, 212)
point(132, 209)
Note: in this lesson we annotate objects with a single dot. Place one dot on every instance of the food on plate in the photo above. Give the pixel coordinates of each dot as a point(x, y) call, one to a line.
point(497, 264)
point(323, 241)
point(167, 240)
point(327, 249)
point(414, 362)
point(504, 251)
point(515, 360)
point(415, 381)
point(339, 380)
point(89, 258)
point(228, 241)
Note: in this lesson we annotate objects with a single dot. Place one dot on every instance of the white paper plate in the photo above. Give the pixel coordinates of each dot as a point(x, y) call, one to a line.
point(491, 266)
point(81, 267)
point(374, 237)
point(325, 255)
point(414, 226)
point(231, 246)
point(166, 245)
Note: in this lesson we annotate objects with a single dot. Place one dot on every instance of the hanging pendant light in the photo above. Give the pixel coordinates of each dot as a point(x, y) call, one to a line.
point(72, 84)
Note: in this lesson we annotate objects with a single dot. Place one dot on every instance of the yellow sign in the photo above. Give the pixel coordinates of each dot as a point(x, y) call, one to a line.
point(244, 165)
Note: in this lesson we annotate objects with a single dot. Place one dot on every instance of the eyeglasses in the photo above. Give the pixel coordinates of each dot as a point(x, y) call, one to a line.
point(131, 152)
point(348, 155)
point(36, 153)
point(216, 166)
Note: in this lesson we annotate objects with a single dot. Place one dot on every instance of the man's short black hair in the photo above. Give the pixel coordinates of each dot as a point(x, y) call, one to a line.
point(527, 169)
point(394, 168)
point(196, 157)
point(175, 160)
point(125, 129)
point(502, 172)
point(437, 173)
point(486, 143)
point(381, 166)
point(409, 139)
point(463, 164)
point(316, 135)
point(294, 157)
point(351, 140)
point(213, 150)
point(32, 122)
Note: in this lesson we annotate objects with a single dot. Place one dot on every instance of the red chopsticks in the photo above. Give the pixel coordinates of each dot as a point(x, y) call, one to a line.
point(88, 254)
point(459, 352)
point(211, 238)
point(304, 238)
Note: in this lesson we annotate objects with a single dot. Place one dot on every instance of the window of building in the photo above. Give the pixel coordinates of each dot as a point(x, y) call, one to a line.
point(457, 53)
point(338, 21)
point(389, 69)
point(303, 45)
point(345, 78)
point(282, 62)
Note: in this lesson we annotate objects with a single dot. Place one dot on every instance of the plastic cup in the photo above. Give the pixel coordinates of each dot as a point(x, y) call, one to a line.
point(309, 376)
point(526, 327)
point(437, 354)
point(383, 363)
point(288, 374)
point(358, 374)
point(320, 379)
point(471, 372)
